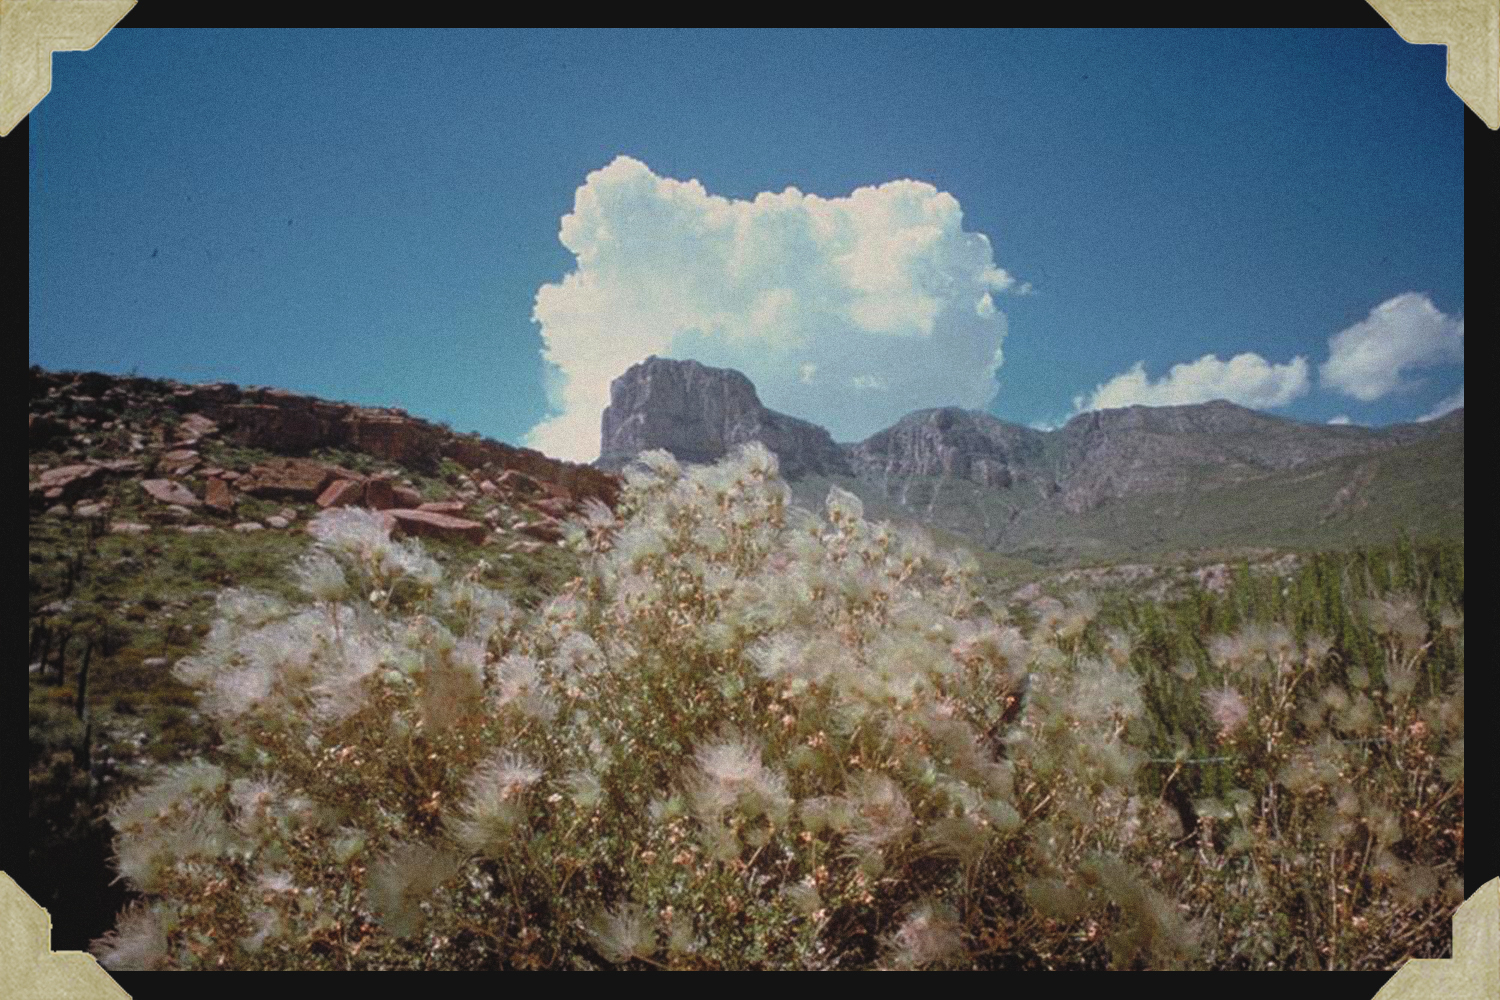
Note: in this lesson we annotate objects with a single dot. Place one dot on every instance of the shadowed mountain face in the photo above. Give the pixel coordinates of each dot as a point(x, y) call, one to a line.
point(1112, 481)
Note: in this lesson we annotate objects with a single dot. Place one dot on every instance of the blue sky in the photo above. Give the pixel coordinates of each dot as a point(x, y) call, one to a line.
point(1026, 222)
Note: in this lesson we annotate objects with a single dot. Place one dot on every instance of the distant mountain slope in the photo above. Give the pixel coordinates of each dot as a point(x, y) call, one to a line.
point(1128, 481)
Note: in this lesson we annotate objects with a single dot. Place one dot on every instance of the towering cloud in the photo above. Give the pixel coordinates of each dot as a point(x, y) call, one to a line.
point(1367, 360)
point(1247, 379)
point(849, 312)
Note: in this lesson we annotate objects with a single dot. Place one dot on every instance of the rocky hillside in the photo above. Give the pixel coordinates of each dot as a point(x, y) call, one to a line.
point(700, 414)
point(90, 429)
point(1110, 482)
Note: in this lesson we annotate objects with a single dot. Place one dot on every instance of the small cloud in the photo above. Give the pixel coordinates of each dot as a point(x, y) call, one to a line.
point(1444, 407)
point(808, 371)
point(1340, 419)
point(1367, 360)
point(868, 382)
point(1247, 379)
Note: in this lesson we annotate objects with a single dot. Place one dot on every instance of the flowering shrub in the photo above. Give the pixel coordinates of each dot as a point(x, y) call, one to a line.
point(746, 736)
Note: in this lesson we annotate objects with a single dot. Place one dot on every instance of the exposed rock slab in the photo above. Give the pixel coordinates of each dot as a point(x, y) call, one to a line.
point(342, 493)
point(168, 492)
point(290, 478)
point(432, 524)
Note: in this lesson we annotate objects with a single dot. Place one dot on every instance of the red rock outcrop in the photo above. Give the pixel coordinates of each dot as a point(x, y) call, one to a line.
point(579, 481)
point(283, 428)
point(289, 478)
point(405, 497)
point(343, 493)
point(379, 495)
point(432, 524)
point(286, 422)
point(394, 438)
point(218, 496)
point(444, 506)
point(519, 483)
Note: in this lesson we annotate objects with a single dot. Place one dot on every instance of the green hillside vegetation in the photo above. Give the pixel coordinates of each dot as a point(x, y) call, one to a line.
point(715, 731)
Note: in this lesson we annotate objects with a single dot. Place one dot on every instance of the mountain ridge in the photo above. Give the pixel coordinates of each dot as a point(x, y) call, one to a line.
point(1003, 485)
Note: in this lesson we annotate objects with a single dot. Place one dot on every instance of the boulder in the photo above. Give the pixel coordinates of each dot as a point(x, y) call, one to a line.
point(219, 496)
point(196, 425)
point(289, 478)
point(432, 524)
point(168, 492)
point(405, 497)
point(67, 483)
point(343, 493)
point(443, 506)
point(519, 483)
point(128, 528)
point(379, 494)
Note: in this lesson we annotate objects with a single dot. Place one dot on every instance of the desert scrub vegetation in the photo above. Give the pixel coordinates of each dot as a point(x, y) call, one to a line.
point(751, 736)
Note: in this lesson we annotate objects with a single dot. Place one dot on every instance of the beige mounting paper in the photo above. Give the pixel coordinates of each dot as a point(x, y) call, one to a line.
point(30, 969)
point(30, 31)
point(1471, 30)
point(1474, 970)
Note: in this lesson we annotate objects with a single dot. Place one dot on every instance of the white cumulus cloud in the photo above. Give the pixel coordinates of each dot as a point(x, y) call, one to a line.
point(1247, 379)
point(848, 311)
point(1340, 420)
point(1367, 360)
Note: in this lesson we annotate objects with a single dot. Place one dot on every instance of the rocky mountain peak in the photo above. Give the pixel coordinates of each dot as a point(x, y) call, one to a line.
point(700, 414)
point(947, 441)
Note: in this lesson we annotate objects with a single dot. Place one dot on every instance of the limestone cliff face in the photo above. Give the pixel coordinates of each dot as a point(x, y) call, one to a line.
point(962, 444)
point(701, 414)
